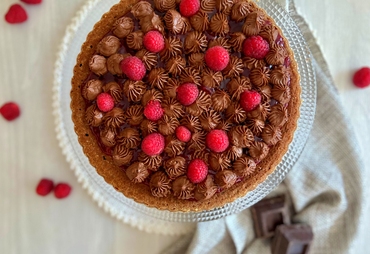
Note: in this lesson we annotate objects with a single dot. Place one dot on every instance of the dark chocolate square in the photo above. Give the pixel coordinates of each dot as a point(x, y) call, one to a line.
point(268, 214)
point(292, 239)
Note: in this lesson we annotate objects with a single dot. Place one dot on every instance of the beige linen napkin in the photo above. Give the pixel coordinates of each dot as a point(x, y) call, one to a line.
point(325, 185)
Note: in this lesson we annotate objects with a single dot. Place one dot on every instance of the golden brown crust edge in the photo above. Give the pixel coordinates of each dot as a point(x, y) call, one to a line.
point(116, 177)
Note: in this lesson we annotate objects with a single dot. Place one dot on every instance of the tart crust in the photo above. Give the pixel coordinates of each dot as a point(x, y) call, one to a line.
point(141, 193)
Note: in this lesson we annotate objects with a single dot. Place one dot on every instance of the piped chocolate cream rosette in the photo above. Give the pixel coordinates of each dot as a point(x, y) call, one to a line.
point(185, 107)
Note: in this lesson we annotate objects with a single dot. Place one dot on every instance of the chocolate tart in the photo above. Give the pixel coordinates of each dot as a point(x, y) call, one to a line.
point(258, 139)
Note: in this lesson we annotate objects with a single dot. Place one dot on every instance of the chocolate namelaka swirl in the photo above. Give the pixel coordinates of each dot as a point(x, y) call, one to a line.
point(200, 21)
point(175, 65)
point(257, 138)
point(258, 150)
point(174, 146)
point(192, 123)
point(236, 41)
point(135, 40)
point(234, 152)
point(98, 65)
point(197, 60)
point(114, 90)
point(148, 127)
point(94, 117)
point(134, 90)
point(219, 41)
point(108, 46)
point(234, 68)
point(260, 76)
point(137, 172)
point(238, 85)
point(175, 22)
point(219, 161)
point(251, 25)
point(195, 42)
point(151, 162)
point(209, 119)
point(172, 108)
point(225, 179)
point(107, 137)
point(122, 155)
point(271, 135)
point(114, 118)
point(92, 89)
point(134, 115)
point(220, 100)
point(151, 95)
point(241, 9)
point(183, 188)
point(157, 78)
point(241, 136)
point(175, 167)
point(142, 9)
point(202, 103)
point(244, 166)
point(211, 78)
point(129, 138)
point(160, 185)
point(191, 75)
point(148, 58)
point(219, 24)
point(167, 125)
point(123, 27)
point(172, 48)
point(206, 189)
point(151, 22)
point(198, 141)
point(114, 64)
point(235, 113)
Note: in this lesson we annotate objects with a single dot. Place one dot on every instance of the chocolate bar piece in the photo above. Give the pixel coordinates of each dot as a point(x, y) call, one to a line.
point(292, 239)
point(268, 214)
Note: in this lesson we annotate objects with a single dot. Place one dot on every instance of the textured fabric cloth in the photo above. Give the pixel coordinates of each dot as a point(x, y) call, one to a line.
point(326, 185)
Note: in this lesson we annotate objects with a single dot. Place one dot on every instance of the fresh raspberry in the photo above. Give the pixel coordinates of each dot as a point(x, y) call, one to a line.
point(217, 141)
point(153, 144)
point(153, 111)
point(133, 67)
point(10, 111)
point(153, 41)
point(189, 7)
point(32, 1)
point(44, 187)
point(256, 47)
point(62, 190)
point(361, 78)
point(105, 102)
point(197, 171)
point(16, 14)
point(249, 100)
point(217, 58)
point(187, 93)
point(183, 134)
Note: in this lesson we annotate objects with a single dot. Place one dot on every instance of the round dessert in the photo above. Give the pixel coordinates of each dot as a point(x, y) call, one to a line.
point(185, 105)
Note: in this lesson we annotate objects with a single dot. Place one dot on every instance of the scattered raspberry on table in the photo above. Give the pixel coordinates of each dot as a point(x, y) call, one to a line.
point(16, 14)
point(361, 78)
point(10, 111)
point(44, 187)
point(62, 190)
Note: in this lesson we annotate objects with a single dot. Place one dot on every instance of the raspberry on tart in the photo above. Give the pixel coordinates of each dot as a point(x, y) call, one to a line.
point(256, 47)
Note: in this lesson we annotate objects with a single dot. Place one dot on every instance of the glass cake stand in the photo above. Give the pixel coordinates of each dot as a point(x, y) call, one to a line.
point(115, 202)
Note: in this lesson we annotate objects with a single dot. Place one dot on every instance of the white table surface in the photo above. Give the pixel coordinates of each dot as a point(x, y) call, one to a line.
point(29, 149)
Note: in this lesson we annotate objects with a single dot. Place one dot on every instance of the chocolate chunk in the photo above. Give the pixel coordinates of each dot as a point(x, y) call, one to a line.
point(291, 239)
point(268, 214)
